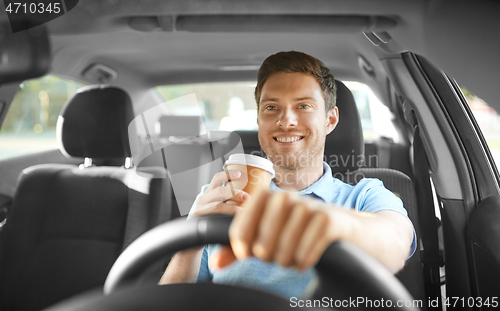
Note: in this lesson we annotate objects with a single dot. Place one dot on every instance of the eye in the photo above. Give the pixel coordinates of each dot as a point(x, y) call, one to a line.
point(270, 107)
point(304, 106)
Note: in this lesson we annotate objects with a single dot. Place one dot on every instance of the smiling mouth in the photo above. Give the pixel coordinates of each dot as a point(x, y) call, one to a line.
point(288, 139)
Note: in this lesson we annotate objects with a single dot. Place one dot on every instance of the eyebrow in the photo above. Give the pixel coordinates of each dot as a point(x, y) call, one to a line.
point(305, 98)
point(268, 100)
point(296, 99)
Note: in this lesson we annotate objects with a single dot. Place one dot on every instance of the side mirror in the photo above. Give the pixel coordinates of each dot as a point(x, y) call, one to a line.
point(23, 55)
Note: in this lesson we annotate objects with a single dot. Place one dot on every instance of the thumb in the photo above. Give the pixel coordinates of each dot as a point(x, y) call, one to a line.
point(222, 258)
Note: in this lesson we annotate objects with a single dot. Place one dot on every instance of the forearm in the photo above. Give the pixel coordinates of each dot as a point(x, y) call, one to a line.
point(183, 268)
point(386, 235)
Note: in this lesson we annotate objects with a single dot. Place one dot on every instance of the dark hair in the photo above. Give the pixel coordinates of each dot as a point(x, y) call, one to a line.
point(291, 62)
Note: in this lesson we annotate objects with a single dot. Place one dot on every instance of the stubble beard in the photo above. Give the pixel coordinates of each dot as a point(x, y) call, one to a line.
point(299, 160)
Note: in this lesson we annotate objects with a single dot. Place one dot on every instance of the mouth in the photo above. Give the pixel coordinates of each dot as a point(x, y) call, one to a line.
point(288, 139)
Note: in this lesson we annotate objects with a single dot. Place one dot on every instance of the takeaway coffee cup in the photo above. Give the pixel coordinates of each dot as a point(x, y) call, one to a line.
point(256, 173)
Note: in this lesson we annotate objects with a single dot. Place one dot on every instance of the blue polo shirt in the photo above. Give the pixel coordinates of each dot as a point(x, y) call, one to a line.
point(369, 195)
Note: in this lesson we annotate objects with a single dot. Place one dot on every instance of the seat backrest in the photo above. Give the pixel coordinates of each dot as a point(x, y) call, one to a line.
point(344, 148)
point(250, 141)
point(68, 224)
point(402, 186)
point(344, 152)
point(385, 153)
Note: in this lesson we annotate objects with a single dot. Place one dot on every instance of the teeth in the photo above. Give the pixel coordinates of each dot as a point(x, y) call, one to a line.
point(287, 139)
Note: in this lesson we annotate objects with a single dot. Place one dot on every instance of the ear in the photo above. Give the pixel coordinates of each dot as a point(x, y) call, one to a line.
point(332, 119)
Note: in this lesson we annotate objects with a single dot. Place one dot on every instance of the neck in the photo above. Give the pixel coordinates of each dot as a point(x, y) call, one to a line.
point(298, 179)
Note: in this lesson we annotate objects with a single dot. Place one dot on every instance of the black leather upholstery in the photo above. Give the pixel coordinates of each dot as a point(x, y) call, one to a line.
point(344, 147)
point(94, 123)
point(68, 225)
point(250, 141)
point(66, 229)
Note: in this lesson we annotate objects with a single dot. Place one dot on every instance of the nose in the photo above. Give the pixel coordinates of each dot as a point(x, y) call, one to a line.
point(287, 118)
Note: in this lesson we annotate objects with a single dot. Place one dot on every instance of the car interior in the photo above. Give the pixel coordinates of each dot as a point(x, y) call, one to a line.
point(119, 153)
point(83, 216)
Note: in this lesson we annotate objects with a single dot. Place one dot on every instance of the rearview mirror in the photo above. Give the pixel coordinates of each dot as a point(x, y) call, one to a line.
point(23, 55)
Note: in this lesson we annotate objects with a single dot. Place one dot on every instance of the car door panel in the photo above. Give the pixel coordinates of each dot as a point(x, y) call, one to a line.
point(484, 235)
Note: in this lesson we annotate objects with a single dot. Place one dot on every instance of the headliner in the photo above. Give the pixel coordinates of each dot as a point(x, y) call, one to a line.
point(97, 31)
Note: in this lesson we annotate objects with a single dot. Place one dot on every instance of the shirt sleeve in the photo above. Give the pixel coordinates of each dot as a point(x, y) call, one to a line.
point(374, 197)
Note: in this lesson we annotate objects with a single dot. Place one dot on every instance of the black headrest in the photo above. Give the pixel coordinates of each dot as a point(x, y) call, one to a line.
point(94, 123)
point(250, 141)
point(344, 148)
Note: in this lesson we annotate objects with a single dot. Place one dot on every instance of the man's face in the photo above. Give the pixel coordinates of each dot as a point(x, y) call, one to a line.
point(292, 120)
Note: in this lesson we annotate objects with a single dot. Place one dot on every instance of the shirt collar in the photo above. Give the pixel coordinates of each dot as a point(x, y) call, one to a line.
point(323, 188)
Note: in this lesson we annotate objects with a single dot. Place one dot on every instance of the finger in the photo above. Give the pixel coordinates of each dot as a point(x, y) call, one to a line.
point(222, 177)
point(240, 197)
point(217, 208)
point(245, 224)
point(222, 194)
point(290, 235)
point(315, 253)
point(271, 224)
point(222, 258)
point(314, 234)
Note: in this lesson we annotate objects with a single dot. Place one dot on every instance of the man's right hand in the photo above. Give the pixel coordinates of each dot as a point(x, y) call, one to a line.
point(215, 199)
point(184, 266)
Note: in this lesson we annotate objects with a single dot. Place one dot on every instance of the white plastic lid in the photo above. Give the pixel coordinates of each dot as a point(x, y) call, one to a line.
point(251, 160)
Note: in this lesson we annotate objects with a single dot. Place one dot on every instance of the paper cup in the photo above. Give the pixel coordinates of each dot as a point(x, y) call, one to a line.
point(256, 173)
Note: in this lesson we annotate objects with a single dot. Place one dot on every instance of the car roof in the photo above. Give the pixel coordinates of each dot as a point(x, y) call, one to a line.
point(153, 42)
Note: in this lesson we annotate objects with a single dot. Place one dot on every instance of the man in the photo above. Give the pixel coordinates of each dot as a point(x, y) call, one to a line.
point(278, 235)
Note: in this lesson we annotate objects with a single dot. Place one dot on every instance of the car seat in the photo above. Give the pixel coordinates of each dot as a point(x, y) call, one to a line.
point(385, 153)
point(344, 152)
point(68, 223)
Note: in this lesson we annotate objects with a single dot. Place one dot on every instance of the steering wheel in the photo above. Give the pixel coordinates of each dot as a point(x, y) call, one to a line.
point(348, 277)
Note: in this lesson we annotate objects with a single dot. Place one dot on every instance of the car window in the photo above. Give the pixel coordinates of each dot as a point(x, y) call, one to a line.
point(376, 118)
point(488, 120)
point(30, 124)
point(231, 106)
